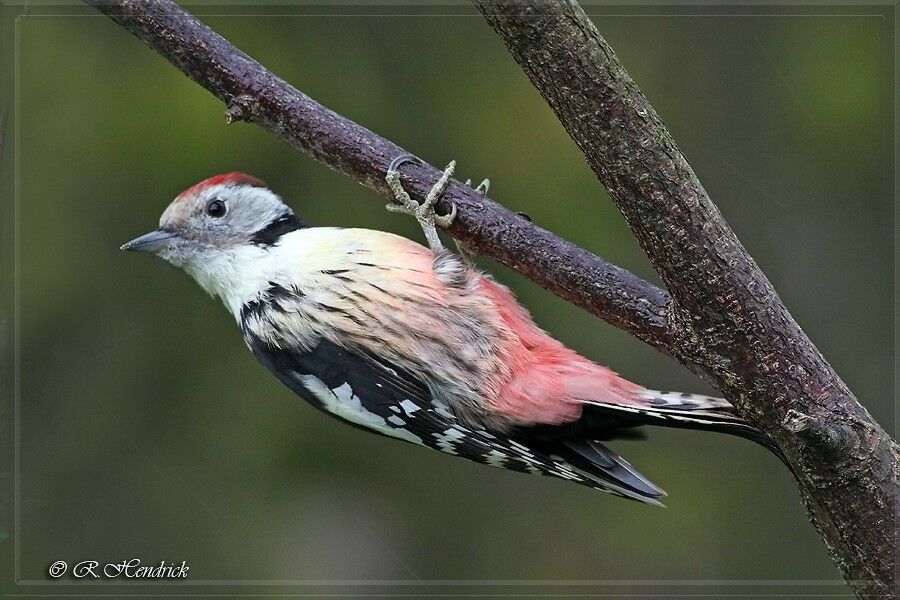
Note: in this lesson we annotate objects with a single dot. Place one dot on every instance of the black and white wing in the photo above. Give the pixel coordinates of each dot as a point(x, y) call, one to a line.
point(369, 393)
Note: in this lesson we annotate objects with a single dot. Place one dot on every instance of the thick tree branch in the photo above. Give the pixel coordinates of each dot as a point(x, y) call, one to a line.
point(253, 94)
point(729, 322)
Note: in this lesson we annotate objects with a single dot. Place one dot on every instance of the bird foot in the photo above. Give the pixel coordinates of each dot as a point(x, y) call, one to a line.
point(423, 213)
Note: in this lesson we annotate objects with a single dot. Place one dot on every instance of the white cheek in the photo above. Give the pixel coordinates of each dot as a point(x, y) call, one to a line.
point(174, 256)
point(232, 275)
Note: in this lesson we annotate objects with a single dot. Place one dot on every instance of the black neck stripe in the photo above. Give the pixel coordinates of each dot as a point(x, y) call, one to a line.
point(271, 233)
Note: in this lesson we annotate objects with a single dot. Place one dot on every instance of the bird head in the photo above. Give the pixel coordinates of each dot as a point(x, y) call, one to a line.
point(218, 216)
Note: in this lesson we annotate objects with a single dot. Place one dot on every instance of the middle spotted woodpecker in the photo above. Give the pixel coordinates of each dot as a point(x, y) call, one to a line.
point(415, 343)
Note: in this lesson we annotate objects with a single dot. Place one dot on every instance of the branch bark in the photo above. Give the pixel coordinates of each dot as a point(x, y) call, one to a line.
point(726, 322)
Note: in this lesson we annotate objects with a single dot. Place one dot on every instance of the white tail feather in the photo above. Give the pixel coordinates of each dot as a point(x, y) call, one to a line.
point(682, 401)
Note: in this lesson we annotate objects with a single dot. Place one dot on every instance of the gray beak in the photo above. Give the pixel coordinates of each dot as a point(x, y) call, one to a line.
point(149, 242)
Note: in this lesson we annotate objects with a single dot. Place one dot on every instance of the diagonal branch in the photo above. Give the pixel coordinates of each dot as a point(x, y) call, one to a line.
point(253, 94)
point(729, 323)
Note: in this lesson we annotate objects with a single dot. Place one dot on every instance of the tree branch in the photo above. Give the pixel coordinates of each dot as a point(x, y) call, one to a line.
point(728, 321)
point(253, 94)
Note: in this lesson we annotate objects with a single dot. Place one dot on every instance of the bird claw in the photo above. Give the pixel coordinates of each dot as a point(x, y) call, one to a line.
point(482, 188)
point(424, 213)
point(444, 221)
point(403, 158)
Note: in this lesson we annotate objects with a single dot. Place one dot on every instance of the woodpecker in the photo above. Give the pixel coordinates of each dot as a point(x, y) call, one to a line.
point(414, 342)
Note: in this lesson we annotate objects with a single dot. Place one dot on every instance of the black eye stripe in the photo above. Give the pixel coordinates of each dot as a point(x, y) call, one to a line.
point(216, 208)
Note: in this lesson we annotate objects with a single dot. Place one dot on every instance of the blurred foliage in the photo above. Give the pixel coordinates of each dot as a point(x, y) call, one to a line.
point(147, 429)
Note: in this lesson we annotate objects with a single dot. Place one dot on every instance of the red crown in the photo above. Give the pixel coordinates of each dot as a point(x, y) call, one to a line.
point(233, 178)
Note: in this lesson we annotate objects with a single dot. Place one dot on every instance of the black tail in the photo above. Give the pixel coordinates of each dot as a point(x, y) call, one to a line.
point(578, 442)
point(674, 409)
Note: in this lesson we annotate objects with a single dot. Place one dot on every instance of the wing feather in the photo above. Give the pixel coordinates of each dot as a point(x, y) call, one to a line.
point(372, 394)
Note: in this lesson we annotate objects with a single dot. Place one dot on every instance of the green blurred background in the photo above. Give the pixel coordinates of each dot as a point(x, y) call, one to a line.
point(147, 429)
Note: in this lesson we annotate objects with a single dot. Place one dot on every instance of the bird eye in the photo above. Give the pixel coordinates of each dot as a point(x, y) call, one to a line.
point(216, 208)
